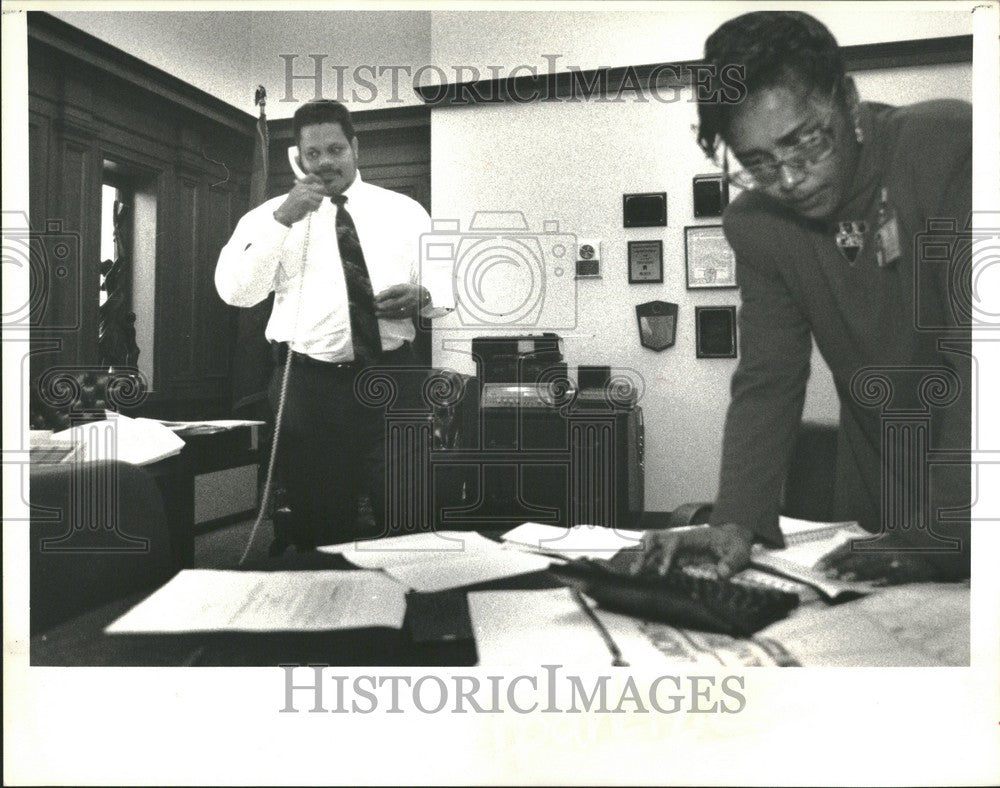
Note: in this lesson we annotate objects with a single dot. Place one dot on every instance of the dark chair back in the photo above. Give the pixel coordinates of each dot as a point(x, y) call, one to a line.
point(64, 396)
point(812, 474)
point(98, 533)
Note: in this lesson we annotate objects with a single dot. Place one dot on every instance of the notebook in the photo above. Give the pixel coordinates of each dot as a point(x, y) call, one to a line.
point(794, 567)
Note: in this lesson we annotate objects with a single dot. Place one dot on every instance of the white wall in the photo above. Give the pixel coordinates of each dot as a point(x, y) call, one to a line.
point(229, 53)
point(660, 32)
point(208, 49)
point(349, 39)
point(573, 163)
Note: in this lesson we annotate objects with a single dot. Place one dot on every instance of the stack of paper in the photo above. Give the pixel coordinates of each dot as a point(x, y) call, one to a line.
point(46, 450)
point(209, 600)
point(807, 542)
point(136, 441)
point(440, 560)
point(581, 541)
point(208, 427)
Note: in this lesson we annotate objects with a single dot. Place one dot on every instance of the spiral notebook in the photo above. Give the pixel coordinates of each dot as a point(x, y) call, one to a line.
point(793, 569)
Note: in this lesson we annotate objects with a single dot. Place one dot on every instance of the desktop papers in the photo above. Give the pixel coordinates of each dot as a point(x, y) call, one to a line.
point(44, 449)
point(401, 550)
point(208, 600)
point(440, 560)
point(209, 427)
point(518, 628)
point(580, 541)
point(807, 542)
point(911, 625)
point(136, 441)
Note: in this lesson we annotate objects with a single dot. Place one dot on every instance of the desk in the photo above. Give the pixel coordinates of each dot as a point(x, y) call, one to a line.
point(920, 624)
point(213, 480)
point(205, 453)
point(82, 642)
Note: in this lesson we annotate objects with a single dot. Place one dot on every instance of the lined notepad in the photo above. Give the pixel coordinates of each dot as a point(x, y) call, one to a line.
point(807, 542)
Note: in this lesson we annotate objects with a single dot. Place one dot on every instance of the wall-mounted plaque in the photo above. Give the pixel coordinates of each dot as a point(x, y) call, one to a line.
point(715, 331)
point(645, 210)
point(645, 262)
point(711, 195)
point(657, 324)
point(708, 258)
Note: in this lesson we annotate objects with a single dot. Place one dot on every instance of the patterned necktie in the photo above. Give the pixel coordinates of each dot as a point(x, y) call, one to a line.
point(361, 299)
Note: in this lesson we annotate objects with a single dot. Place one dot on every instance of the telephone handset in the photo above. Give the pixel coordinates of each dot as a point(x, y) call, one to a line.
point(295, 162)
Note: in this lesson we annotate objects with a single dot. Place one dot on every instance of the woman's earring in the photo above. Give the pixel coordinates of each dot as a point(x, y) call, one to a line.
point(859, 133)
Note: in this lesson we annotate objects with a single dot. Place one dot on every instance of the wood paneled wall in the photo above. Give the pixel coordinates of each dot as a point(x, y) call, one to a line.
point(89, 103)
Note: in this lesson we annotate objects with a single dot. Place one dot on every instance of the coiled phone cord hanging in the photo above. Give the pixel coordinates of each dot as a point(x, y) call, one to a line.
point(282, 394)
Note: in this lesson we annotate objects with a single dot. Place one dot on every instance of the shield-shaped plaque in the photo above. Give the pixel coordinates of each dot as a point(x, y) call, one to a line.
point(657, 324)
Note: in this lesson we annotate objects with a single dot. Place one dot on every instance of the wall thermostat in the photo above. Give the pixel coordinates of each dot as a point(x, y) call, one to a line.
point(588, 258)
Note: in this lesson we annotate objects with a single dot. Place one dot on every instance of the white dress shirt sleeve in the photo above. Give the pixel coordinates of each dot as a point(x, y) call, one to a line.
point(248, 264)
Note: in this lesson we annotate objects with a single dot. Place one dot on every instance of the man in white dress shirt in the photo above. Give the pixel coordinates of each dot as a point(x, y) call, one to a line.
point(343, 259)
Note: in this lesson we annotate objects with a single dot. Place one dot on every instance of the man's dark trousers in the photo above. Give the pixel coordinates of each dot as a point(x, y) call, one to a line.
point(332, 450)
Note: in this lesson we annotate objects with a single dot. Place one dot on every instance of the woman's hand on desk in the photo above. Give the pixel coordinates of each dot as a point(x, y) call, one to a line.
point(728, 544)
point(878, 564)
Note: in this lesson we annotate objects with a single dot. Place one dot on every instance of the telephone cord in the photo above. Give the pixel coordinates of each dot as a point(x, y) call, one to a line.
point(282, 394)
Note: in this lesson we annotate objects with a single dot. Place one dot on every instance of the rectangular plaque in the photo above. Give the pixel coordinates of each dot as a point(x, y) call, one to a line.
point(709, 260)
point(715, 331)
point(644, 210)
point(645, 262)
point(710, 194)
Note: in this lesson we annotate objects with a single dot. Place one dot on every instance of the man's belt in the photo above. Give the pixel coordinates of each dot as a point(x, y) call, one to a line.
point(279, 351)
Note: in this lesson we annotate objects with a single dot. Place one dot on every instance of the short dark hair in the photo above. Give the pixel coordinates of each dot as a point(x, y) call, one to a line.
point(773, 47)
point(322, 111)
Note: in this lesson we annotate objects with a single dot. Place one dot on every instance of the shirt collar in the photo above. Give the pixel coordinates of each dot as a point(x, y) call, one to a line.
point(356, 187)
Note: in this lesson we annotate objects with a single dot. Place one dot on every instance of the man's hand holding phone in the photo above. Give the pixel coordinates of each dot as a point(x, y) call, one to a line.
point(304, 198)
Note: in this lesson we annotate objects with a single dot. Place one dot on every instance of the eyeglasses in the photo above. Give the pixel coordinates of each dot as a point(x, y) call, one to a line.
point(811, 148)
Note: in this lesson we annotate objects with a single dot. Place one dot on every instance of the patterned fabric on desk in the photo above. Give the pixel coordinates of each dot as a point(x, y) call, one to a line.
point(713, 649)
